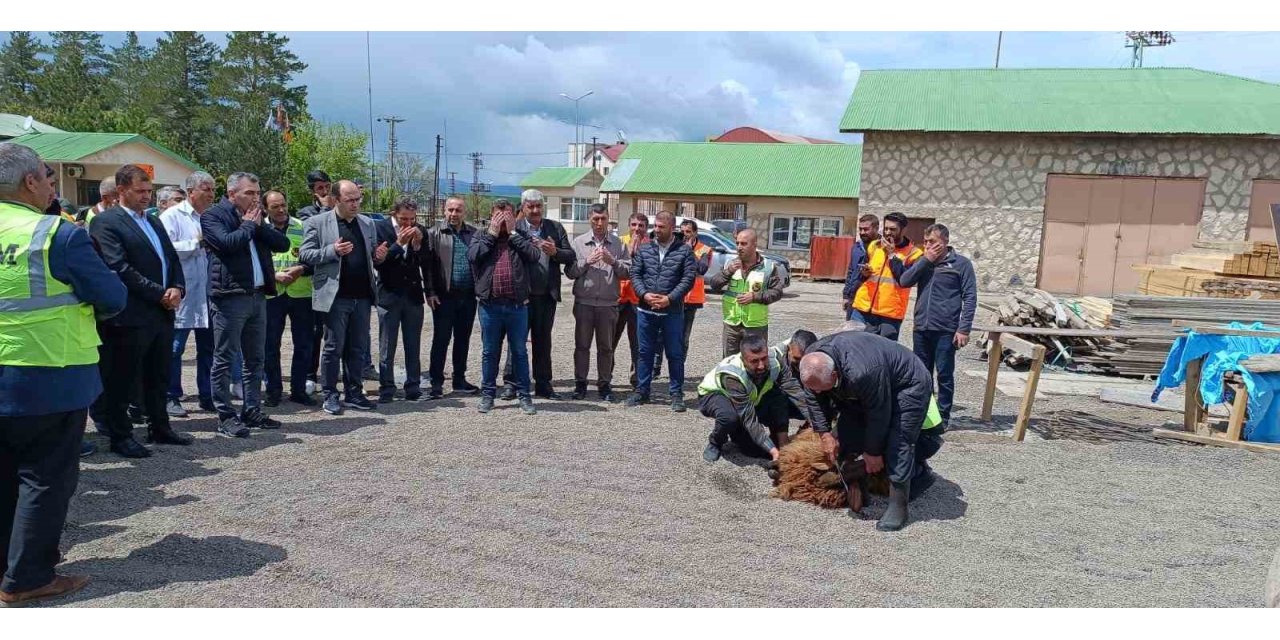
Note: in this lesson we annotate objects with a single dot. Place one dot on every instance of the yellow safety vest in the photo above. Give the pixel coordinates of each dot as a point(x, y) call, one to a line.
point(752, 315)
point(733, 366)
point(42, 322)
point(301, 288)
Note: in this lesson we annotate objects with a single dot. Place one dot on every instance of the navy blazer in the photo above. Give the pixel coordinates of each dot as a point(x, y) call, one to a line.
point(227, 236)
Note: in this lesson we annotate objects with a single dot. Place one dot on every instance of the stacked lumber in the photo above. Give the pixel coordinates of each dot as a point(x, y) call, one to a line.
point(1216, 269)
point(1026, 307)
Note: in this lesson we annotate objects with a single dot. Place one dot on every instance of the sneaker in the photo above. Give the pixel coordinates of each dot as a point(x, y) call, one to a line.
point(311, 387)
point(259, 420)
point(486, 404)
point(465, 387)
point(302, 399)
point(606, 395)
point(175, 410)
point(232, 428)
point(436, 393)
point(508, 393)
point(271, 401)
point(360, 403)
point(677, 405)
point(637, 399)
point(331, 405)
point(413, 396)
point(711, 453)
point(526, 405)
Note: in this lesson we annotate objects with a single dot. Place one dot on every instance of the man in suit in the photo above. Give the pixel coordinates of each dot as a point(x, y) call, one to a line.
point(137, 343)
point(400, 299)
point(549, 237)
point(241, 276)
point(341, 245)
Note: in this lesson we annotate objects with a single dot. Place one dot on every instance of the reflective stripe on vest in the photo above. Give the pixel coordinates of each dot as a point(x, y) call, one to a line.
point(42, 322)
point(698, 294)
point(880, 294)
point(752, 315)
point(733, 366)
point(301, 288)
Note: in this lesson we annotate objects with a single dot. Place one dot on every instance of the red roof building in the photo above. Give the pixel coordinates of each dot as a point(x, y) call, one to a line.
point(756, 134)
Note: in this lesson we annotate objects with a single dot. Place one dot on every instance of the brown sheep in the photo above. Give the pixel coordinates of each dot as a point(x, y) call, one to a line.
point(804, 473)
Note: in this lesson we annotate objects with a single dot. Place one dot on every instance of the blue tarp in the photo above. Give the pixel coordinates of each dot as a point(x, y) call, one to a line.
point(1222, 354)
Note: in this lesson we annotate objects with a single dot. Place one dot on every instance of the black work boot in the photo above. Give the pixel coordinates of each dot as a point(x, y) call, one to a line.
point(895, 517)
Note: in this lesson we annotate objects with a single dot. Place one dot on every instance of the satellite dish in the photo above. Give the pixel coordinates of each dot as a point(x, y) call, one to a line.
point(26, 124)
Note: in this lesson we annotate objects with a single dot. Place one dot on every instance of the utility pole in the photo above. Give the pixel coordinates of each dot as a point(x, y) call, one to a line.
point(435, 177)
point(1140, 40)
point(453, 183)
point(373, 160)
point(392, 121)
point(593, 153)
point(999, 41)
point(477, 162)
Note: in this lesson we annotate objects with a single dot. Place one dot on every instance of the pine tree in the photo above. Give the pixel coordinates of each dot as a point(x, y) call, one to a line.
point(182, 70)
point(71, 93)
point(129, 70)
point(258, 69)
point(20, 71)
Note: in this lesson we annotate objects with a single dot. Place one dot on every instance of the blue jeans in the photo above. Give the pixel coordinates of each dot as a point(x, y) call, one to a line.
point(239, 328)
point(204, 364)
point(302, 324)
point(500, 321)
point(937, 351)
point(669, 329)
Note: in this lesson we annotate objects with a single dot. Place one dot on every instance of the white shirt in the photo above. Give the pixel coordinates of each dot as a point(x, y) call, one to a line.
point(182, 223)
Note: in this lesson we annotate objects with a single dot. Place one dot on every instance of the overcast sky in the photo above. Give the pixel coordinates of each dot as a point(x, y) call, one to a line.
point(500, 92)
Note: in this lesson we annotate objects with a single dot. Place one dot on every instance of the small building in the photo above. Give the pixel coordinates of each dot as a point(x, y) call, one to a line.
point(1065, 178)
point(13, 125)
point(756, 134)
point(82, 160)
point(788, 193)
point(570, 192)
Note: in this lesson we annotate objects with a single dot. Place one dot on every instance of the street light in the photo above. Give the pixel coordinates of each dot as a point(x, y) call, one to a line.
point(576, 133)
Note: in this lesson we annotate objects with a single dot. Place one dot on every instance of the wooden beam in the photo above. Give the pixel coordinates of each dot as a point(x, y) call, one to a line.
point(1235, 424)
point(1029, 397)
point(994, 355)
point(1078, 333)
point(1209, 328)
point(1216, 440)
point(1191, 412)
point(1262, 363)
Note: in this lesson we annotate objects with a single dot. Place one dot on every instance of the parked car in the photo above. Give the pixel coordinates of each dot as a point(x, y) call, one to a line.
point(724, 248)
point(729, 225)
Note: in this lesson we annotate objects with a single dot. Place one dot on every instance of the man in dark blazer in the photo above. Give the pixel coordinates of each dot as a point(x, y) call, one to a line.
point(241, 276)
point(549, 237)
point(401, 298)
point(137, 343)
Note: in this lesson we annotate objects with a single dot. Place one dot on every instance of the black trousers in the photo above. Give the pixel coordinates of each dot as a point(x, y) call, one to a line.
point(542, 317)
point(39, 469)
point(771, 411)
point(302, 325)
point(129, 356)
point(452, 320)
point(627, 324)
point(907, 447)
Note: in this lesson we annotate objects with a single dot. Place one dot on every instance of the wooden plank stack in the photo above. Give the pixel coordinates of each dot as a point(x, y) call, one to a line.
point(1216, 269)
point(1026, 307)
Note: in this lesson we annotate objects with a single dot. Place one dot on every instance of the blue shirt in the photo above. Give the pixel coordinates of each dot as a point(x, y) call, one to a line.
point(257, 266)
point(35, 391)
point(143, 223)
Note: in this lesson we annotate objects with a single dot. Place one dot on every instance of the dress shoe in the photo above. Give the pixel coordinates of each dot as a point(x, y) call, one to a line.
point(579, 392)
point(207, 405)
point(135, 415)
point(486, 404)
point(302, 399)
point(711, 453)
point(359, 403)
point(271, 401)
point(412, 395)
point(895, 517)
point(677, 404)
point(87, 448)
point(547, 393)
point(331, 405)
point(232, 428)
point(130, 448)
point(508, 393)
point(465, 387)
point(526, 405)
point(606, 395)
point(169, 436)
point(260, 420)
point(370, 374)
point(436, 393)
point(60, 586)
point(174, 409)
point(387, 397)
point(637, 399)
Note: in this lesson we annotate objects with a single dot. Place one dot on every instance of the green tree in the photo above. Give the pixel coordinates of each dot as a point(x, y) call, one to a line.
point(72, 93)
point(20, 71)
point(132, 93)
point(182, 70)
point(334, 148)
point(243, 144)
point(258, 68)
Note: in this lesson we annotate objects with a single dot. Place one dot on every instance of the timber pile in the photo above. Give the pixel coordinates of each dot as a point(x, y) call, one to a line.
point(1027, 307)
point(1214, 269)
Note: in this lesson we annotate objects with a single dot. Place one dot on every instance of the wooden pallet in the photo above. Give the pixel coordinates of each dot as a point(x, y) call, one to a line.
point(1170, 280)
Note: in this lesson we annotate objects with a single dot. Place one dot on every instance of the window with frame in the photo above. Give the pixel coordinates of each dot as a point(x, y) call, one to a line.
point(797, 232)
point(575, 209)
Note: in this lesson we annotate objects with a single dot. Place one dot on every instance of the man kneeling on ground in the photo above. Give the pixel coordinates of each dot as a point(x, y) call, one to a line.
point(747, 396)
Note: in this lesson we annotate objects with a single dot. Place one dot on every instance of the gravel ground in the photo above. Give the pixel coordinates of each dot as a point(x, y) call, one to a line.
point(433, 504)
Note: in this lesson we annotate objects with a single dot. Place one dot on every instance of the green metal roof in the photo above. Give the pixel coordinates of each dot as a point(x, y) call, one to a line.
point(555, 177)
point(11, 126)
point(1147, 101)
point(738, 169)
point(70, 147)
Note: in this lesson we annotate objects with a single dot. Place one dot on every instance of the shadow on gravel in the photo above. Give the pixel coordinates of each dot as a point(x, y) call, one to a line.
point(173, 559)
point(336, 425)
point(998, 423)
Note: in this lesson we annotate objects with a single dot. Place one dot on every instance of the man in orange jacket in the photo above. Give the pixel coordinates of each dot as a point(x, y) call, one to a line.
point(638, 224)
point(880, 302)
point(698, 295)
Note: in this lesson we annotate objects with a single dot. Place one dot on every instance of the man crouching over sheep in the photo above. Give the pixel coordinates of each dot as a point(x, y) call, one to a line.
point(881, 392)
point(747, 396)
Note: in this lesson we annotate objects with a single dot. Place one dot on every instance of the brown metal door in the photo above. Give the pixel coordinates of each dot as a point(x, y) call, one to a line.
point(1133, 233)
point(1265, 193)
point(1098, 270)
point(1175, 222)
point(1066, 218)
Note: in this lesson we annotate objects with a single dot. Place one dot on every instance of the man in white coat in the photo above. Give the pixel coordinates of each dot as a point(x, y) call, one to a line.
point(182, 222)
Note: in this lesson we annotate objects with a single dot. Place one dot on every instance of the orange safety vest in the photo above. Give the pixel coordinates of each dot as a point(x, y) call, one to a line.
point(627, 295)
point(880, 294)
point(698, 294)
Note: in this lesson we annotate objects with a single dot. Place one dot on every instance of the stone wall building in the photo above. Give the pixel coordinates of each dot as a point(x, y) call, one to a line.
point(1065, 178)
